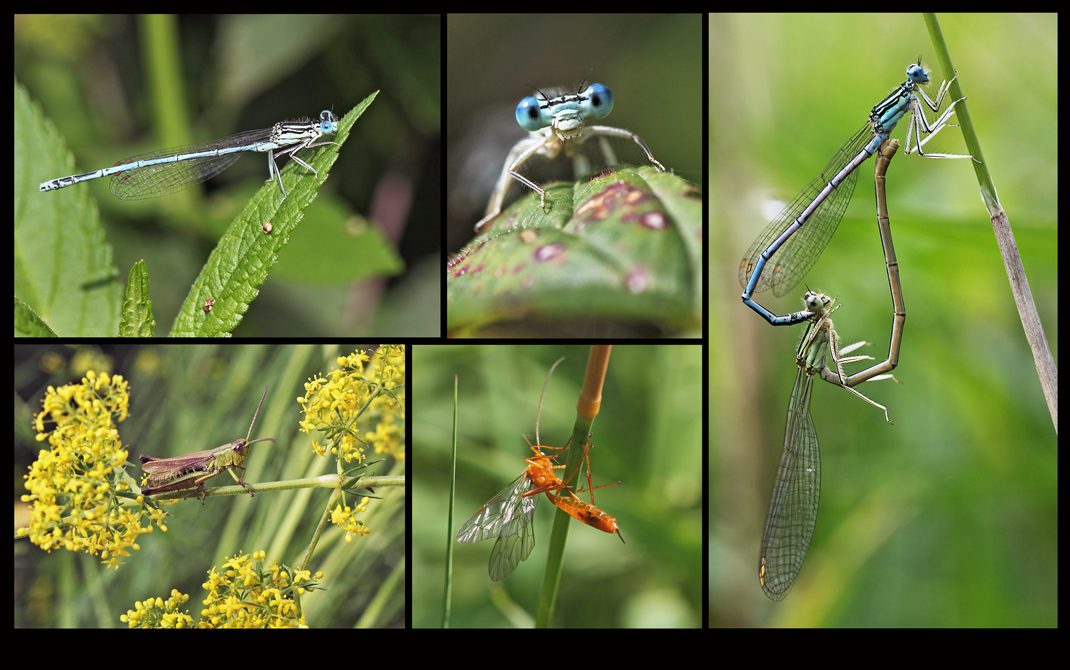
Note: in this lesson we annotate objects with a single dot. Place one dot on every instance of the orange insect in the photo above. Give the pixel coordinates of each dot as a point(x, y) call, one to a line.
point(582, 511)
point(509, 515)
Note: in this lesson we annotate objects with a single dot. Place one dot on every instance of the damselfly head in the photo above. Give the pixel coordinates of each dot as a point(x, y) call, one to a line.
point(917, 74)
point(815, 301)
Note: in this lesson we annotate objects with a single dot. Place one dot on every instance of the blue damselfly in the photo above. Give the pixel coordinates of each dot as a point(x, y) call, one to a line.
point(556, 120)
point(168, 171)
point(792, 242)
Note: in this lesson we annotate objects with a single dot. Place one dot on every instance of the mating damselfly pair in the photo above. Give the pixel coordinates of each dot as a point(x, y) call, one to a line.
point(167, 171)
point(792, 514)
point(786, 250)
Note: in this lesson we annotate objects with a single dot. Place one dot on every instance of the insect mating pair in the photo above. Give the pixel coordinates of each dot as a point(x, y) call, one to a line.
point(192, 470)
point(509, 516)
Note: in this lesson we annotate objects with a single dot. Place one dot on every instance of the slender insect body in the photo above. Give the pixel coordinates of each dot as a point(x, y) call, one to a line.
point(173, 475)
point(582, 511)
point(792, 515)
point(192, 470)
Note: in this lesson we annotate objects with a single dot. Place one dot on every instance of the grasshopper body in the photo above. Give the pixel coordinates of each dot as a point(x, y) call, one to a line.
point(192, 470)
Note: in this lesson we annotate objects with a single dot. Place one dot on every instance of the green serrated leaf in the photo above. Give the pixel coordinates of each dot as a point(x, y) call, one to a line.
point(63, 267)
point(137, 318)
point(229, 281)
point(28, 323)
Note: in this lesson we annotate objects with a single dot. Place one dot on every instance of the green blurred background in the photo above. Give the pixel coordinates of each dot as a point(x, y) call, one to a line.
point(648, 436)
point(949, 516)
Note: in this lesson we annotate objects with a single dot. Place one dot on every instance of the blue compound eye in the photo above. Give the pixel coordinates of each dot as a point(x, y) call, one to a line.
point(328, 124)
point(528, 114)
point(916, 74)
point(599, 101)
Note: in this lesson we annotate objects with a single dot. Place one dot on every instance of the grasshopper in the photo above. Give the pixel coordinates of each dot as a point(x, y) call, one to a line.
point(192, 470)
